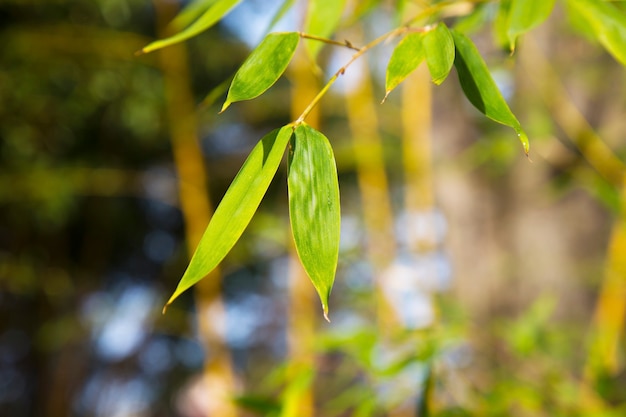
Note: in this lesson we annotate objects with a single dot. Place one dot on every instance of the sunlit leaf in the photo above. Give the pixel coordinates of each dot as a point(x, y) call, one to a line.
point(607, 22)
point(191, 12)
point(314, 207)
point(263, 67)
point(322, 19)
point(480, 88)
point(214, 14)
point(439, 51)
point(236, 208)
point(525, 15)
point(405, 58)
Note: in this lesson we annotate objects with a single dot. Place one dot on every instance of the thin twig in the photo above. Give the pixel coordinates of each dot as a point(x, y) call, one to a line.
point(346, 43)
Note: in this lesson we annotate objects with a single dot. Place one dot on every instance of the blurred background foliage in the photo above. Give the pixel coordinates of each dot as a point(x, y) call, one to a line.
point(504, 283)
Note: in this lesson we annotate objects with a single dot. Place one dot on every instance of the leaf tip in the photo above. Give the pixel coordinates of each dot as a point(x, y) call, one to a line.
point(325, 309)
point(140, 52)
point(385, 98)
point(165, 308)
point(227, 103)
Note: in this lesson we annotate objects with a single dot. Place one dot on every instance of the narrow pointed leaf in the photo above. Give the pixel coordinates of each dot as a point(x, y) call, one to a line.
point(439, 50)
point(314, 207)
point(190, 13)
point(322, 19)
point(236, 208)
point(607, 22)
point(214, 14)
point(480, 88)
point(524, 15)
point(405, 58)
point(263, 67)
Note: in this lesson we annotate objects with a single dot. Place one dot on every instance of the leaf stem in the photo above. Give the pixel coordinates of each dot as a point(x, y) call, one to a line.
point(345, 43)
point(342, 70)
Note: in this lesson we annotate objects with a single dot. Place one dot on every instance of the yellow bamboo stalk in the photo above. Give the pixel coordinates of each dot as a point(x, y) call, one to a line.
point(418, 176)
point(610, 311)
point(303, 309)
point(560, 105)
point(197, 210)
point(373, 187)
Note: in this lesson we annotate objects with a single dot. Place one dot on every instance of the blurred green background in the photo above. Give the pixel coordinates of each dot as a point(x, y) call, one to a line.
point(494, 315)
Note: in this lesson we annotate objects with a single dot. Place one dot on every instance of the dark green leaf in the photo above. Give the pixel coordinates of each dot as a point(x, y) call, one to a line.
point(405, 58)
point(525, 15)
point(263, 67)
point(480, 89)
point(322, 19)
point(439, 50)
point(214, 14)
point(236, 208)
point(607, 22)
point(314, 207)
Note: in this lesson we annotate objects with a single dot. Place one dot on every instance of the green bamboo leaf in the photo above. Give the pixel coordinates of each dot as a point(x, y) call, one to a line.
point(236, 208)
point(322, 19)
point(263, 67)
point(607, 22)
point(405, 58)
point(190, 13)
point(314, 207)
point(216, 11)
point(480, 89)
point(524, 15)
point(439, 50)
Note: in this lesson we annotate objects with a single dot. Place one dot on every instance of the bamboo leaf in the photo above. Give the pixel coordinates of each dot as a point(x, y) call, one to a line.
point(314, 207)
point(189, 13)
point(607, 22)
point(524, 15)
point(322, 19)
point(263, 67)
point(439, 51)
point(480, 89)
point(236, 208)
point(214, 14)
point(405, 58)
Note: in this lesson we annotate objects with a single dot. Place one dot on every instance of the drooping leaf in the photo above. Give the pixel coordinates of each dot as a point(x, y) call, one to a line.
point(314, 207)
point(524, 15)
point(236, 208)
point(480, 88)
point(406, 57)
point(216, 11)
point(439, 51)
point(263, 67)
point(322, 19)
point(191, 12)
point(607, 22)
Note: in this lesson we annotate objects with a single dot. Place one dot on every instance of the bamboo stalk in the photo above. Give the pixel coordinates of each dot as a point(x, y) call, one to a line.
point(299, 400)
point(197, 210)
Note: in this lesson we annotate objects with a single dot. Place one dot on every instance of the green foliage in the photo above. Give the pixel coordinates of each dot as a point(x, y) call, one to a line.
point(314, 207)
point(405, 59)
point(215, 12)
point(236, 208)
point(480, 89)
point(263, 67)
point(323, 16)
point(524, 15)
point(606, 22)
point(439, 52)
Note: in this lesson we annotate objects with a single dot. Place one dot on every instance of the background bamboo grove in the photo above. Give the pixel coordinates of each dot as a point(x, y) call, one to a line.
point(471, 281)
